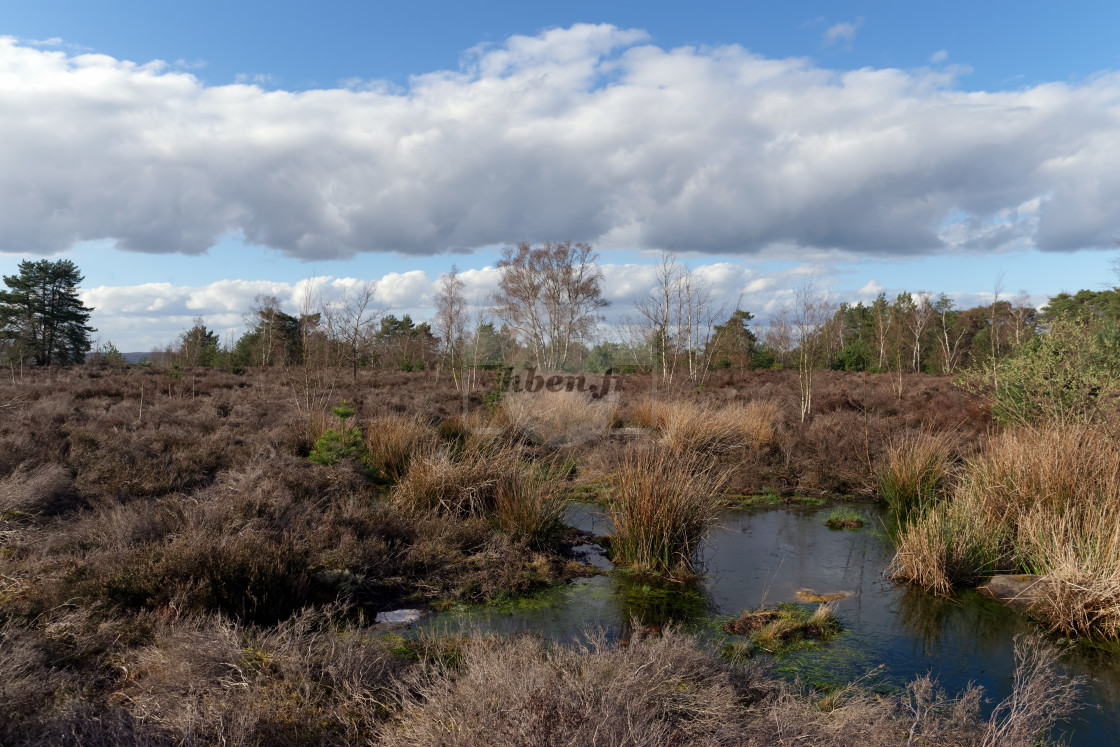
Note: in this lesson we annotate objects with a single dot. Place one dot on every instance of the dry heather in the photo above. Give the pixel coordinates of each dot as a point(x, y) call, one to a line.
point(1041, 501)
point(669, 691)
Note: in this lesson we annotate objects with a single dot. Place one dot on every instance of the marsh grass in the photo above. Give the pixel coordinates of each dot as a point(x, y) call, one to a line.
point(559, 418)
point(1043, 501)
point(522, 501)
point(844, 518)
point(915, 471)
point(393, 440)
point(662, 506)
point(529, 505)
point(687, 426)
point(779, 629)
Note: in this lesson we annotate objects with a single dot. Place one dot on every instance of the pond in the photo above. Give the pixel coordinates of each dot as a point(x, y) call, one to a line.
point(769, 555)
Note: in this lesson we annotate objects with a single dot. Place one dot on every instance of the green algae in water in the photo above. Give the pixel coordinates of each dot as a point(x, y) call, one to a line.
point(655, 601)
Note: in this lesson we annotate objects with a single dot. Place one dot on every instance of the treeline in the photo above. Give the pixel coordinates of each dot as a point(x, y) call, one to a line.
point(547, 314)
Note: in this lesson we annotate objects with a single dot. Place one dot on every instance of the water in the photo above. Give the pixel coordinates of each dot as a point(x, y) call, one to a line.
point(768, 555)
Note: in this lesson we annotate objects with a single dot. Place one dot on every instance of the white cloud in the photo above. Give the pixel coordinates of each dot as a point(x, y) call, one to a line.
point(588, 133)
point(939, 56)
point(842, 32)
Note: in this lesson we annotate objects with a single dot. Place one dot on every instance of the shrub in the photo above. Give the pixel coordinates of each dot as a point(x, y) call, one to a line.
point(253, 576)
point(1070, 374)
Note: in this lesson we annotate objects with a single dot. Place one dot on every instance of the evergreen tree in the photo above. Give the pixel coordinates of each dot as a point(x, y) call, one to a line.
point(41, 314)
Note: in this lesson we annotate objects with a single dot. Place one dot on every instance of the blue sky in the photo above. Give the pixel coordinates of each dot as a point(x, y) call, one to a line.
point(892, 145)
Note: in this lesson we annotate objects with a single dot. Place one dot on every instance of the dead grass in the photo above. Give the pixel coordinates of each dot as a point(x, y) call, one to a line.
point(559, 418)
point(687, 426)
point(1043, 501)
point(393, 440)
point(662, 506)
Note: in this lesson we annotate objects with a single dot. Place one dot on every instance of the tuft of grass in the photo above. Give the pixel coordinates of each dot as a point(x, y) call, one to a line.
point(1044, 501)
point(777, 630)
point(558, 418)
point(529, 506)
point(686, 426)
point(394, 440)
point(916, 471)
point(844, 518)
point(662, 507)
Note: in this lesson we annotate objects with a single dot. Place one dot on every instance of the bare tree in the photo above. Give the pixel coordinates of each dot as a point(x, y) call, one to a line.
point(811, 313)
point(351, 321)
point(779, 335)
point(916, 321)
point(678, 319)
point(551, 295)
point(451, 323)
point(948, 336)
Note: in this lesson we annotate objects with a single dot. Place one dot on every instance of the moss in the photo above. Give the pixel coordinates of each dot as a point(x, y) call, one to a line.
point(780, 629)
point(844, 518)
point(772, 499)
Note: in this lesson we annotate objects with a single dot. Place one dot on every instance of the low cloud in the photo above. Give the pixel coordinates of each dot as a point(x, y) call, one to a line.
point(589, 133)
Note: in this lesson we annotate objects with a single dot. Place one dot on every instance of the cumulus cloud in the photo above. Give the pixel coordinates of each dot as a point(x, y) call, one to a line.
point(589, 133)
point(939, 56)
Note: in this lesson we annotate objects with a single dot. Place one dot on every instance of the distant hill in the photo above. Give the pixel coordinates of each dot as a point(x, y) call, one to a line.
point(135, 357)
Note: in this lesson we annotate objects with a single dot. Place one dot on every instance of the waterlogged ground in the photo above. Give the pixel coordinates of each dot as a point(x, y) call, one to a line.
point(891, 633)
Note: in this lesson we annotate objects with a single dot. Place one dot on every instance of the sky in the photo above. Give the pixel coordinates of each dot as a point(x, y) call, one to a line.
point(191, 156)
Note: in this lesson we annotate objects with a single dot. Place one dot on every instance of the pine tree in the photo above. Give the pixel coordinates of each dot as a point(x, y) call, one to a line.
point(42, 314)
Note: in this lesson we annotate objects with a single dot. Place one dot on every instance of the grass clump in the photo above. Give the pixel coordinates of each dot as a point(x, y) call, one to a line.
point(915, 471)
point(662, 507)
point(1044, 501)
point(558, 418)
point(844, 518)
point(686, 426)
point(521, 501)
point(393, 440)
point(779, 629)
point(529, 506)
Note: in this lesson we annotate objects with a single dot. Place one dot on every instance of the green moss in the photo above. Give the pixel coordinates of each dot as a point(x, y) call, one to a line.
point(781, 630)
point(773, 499)
point(844, 518)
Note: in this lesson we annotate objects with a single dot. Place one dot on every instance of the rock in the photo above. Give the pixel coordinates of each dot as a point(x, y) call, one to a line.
point(399, 617)
point(1018, 591)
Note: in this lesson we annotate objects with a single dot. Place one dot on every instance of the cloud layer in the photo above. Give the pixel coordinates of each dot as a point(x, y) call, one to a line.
point(588, 133)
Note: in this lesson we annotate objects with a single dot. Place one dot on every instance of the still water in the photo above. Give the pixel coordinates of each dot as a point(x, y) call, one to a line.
point(768, 555)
